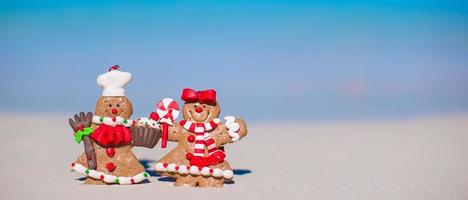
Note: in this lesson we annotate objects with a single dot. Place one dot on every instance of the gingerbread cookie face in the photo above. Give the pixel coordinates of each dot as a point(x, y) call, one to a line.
point(200, 112)
point(114, 106)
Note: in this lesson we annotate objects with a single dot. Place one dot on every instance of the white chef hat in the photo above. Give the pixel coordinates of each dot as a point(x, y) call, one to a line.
point(114, 81)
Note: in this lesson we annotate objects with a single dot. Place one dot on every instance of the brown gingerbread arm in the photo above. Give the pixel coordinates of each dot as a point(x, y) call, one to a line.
point(83, 121)
point(222, 136)
point(175, 132)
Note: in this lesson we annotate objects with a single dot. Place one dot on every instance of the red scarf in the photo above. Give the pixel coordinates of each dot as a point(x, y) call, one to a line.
point(203, 140)
point(111, 135)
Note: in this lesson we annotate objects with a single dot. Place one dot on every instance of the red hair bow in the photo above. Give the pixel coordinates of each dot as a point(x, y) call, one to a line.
point(205, 96)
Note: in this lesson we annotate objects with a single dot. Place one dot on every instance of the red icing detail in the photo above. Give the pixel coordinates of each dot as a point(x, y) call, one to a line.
point(176, 167)
point(198, 150)
point(189, 156)
point(198, 110)
point(133, 181)
point(72, 164)
point(165, 164)
point(191, 138)
point(110, 166)
point(101, 177)
point(113, 119)
point(213, 124)
point(164, 131)
point(89, 157)
point(188, 167)
point(154, 116)
point(219, 156)
point(206, 96)
point(114, 111)
point(115, 67)
point(80, 127)
point(211, 171)
point(214, 159)
point(110, 152)
point(111, 136)
point(192, 127)
point(199, 161)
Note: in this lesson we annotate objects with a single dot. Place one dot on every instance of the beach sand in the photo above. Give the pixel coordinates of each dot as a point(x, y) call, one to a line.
point(423, 158)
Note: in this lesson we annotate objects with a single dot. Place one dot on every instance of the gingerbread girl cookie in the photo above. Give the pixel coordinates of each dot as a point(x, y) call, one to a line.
point(110, 134)
point(199, 157)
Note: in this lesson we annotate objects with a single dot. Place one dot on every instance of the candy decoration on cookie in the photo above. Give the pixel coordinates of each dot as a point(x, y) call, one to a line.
point(167, 110)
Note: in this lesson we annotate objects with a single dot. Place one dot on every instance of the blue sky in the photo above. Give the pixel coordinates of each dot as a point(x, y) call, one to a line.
point(281, 60)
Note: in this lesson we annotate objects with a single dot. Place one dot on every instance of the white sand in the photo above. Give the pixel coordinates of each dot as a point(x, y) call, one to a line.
point(410, 159)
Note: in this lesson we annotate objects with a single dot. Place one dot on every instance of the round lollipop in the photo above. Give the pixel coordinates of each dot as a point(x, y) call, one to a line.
point(167, 110)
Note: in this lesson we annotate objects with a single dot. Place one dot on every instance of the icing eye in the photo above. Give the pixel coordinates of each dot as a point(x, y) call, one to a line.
point(118, 105)
point(204, 106)
point(195, 106)
point(110, 105)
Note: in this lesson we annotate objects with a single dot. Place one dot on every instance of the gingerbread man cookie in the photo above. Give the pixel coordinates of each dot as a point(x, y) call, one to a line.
point(199, 157)
point(110, 134)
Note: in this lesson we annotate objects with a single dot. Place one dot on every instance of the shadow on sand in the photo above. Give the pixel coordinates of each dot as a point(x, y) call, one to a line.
point(148, 164)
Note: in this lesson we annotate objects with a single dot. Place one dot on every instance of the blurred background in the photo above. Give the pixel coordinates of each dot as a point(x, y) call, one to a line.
point(269, 61)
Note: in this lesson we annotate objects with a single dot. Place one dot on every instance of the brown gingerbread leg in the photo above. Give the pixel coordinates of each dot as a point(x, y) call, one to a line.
point(211, 182)
point(88, 181)
point(189, 180)
point(215, 181)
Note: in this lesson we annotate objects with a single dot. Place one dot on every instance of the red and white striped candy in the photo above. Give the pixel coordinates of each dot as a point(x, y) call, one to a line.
point(168, 110)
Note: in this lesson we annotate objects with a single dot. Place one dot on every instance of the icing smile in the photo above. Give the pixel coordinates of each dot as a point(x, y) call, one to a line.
point(199, 116)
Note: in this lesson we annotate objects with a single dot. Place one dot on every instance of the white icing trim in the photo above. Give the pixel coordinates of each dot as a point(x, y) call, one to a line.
point(233, 127)
point(205, 171)
point(110, 121)
point(194, 170)
point(107, 178)
point(145, 121)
